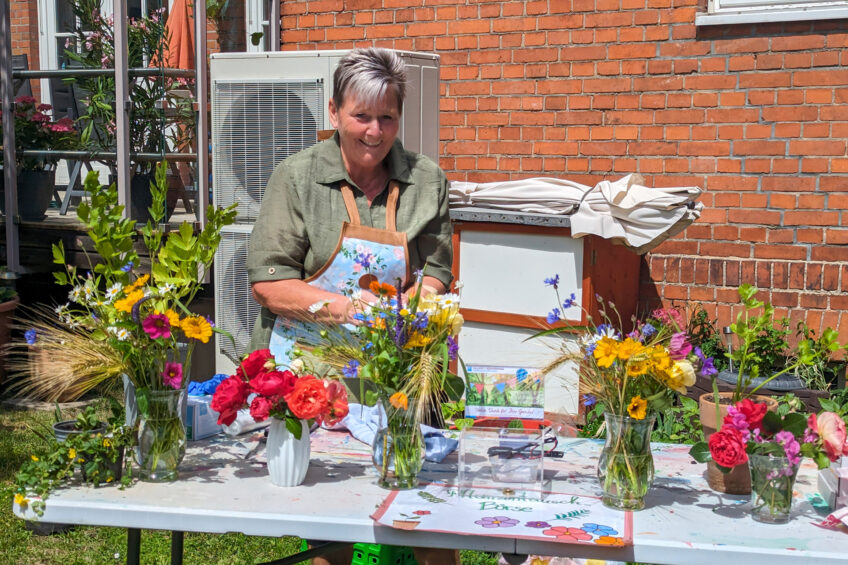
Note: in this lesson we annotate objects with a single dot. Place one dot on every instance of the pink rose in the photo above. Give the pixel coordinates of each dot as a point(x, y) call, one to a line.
point(260, 408)
point(229, 397)
point(257, 362)
point(831, 430)
point(273, 383)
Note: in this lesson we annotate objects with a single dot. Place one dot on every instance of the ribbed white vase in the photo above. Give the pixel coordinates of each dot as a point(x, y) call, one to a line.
point(288, 457)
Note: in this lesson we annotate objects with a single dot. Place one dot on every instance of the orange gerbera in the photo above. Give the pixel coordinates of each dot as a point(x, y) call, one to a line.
point(399, 400)
point(382, 289)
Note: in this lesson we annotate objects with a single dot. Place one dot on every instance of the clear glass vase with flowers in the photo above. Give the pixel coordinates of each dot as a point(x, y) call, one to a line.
point(293, 401)
point(773, 446)
point(141, 318)
point(633, 375)
point(398, 355)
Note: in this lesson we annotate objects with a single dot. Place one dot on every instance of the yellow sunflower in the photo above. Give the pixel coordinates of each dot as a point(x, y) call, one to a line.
point(173, 318)
point(628, 348)
point(606, 351)
point(197, 327)
point(126, 304)
point(637, 408)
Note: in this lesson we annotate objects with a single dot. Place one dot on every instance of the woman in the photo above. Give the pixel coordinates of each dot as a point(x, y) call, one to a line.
point(347, 211)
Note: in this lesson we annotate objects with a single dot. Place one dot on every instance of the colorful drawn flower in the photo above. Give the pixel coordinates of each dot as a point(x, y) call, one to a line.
point(568, 534)
point(599, 529)
point(537, 524)
point(496, 522)
point(610, 540)
point(421, 512)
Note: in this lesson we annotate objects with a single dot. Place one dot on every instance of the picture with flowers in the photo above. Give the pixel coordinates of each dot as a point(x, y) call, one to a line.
point(284, 394)
point(633, 374)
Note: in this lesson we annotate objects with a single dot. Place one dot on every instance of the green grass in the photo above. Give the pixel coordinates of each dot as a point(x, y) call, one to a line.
point(100, 545)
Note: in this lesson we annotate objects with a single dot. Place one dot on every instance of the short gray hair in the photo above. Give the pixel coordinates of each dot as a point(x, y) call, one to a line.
point(367, 74)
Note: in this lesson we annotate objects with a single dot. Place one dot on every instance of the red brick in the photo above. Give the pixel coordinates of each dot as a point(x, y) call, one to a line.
point(780, 275)
point(830, 277)
point(822, 218)
point(763, 274)
point(780, 252)
point(784, 299)
point(828, 253)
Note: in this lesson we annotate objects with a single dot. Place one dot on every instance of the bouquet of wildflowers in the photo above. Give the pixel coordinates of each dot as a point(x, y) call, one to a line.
point(142, 319)
point(286, 395)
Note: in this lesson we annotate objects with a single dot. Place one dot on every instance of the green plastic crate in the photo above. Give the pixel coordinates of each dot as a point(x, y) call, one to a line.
point(375, 554)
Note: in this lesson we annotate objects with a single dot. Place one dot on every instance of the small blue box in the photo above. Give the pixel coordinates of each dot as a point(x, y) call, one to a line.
point(201, 420)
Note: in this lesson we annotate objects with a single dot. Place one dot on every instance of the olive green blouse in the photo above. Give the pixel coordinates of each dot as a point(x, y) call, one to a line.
point(302, 213)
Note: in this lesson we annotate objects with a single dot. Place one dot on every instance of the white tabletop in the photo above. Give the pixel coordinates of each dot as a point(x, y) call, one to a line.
point(218, 492)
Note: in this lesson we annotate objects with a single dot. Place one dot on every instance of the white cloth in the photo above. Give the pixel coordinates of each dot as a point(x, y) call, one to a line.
point(638, 216)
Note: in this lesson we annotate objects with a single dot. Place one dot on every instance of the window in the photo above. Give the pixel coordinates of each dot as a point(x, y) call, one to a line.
point(727, 12)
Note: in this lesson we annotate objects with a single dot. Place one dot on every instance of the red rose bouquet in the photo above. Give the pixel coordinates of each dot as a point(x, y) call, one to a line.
point(278, 394)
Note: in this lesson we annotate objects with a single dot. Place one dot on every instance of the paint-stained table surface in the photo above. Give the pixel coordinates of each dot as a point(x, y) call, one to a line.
point(218, 491)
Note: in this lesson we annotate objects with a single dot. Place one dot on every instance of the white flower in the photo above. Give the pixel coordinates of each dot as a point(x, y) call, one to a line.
point(166, 288)
point(356, 294)
point(75, 293)
point(113, 291)
point(121, 333)
point(296, 366)
point(61, 309)
point(319, 305)
point(458, 285)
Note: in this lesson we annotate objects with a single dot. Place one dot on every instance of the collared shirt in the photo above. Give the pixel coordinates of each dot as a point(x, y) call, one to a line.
point(303, 210)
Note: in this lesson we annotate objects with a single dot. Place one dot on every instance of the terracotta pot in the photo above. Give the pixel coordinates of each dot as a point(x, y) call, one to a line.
point(737, 481)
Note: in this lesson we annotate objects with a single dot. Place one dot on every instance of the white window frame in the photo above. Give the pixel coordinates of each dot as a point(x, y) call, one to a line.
point(728, 12)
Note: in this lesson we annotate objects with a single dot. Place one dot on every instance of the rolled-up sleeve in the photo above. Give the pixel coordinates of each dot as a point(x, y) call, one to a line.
point(278, 243)
point(435, 244)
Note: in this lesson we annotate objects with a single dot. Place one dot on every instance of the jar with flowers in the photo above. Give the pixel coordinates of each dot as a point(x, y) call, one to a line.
point(292, 399)
point(35, 129)
point(633, 375)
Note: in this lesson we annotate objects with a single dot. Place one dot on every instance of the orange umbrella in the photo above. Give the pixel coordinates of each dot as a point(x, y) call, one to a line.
point(180, 31)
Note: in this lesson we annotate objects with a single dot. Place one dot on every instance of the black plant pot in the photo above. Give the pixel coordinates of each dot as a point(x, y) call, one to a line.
point(61, 430)
point(785, 382)
point(35, 192)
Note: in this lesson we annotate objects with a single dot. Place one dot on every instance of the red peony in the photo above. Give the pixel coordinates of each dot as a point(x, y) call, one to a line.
point(727, 447)
point(308, 399)
point(753, 411)
point(260, 408)
point(273, 383)
point(229, 397)
point(259, 361)
point(337, 403)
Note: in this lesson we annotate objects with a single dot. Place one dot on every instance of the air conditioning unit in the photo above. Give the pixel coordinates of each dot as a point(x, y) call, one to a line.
point(266, 107)
point(235, 309)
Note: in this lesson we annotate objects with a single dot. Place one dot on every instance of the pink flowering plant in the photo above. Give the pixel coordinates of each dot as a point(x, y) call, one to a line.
point(36, 129)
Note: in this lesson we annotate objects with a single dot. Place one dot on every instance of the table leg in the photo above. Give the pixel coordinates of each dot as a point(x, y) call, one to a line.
point(309, 553)
point(133, 546)
point(177, 548)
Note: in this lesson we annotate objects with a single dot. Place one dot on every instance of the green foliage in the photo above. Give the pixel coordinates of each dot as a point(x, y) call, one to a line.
point(679, 423)
point(838, 403)
point(824, 371)
point(703, 333)
point(594, 422)
point(7, 293)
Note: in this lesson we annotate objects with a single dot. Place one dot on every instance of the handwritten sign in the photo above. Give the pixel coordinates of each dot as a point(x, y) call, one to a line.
point(504, 392)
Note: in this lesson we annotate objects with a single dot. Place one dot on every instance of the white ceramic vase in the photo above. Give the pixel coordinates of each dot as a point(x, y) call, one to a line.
point(288, 457)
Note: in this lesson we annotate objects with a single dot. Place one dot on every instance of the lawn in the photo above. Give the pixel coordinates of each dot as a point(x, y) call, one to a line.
point(20, 546)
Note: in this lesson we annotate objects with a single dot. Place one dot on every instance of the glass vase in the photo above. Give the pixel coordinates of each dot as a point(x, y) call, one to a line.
point(161, 435)
point(626, 466)
point(398, 450)
point(772, 481)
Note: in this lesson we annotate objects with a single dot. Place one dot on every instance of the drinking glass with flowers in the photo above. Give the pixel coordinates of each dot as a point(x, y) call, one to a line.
point(142, 319)
point(773, 446)
point(633, 375)
point(293, 400)
point(398, 355)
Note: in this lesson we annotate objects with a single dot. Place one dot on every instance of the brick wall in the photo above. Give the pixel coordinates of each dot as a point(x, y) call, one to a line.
point(757, 115)
point(24, 28)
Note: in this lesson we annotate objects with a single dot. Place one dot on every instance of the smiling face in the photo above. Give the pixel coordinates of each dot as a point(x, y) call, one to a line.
point(366, 132)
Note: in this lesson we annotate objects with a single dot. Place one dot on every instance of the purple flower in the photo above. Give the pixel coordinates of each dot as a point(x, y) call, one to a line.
point(537, 524)
point(707, 367)
point(553, 281)
point(172, 376)
point(128, 267)
point(497, 522)
point(421, 320)
point(351, 370)
point(553, 316)
point(569, 302)
point(790, 446)
point(589, 400)
point(648, 330)
point(453, 348)
point(30, 336)
point(210, 320)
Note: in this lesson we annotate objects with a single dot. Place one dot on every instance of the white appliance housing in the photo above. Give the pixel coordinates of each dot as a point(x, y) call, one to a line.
point(266, 107)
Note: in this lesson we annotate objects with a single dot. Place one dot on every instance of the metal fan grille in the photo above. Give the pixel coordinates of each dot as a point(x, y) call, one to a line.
point(255, 125)
point(235, 309)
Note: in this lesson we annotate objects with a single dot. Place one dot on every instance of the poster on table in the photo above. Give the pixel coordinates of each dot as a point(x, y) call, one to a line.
point(504, 392)
point(561, 518)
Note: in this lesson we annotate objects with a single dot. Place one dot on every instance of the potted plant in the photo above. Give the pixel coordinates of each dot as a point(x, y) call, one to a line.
point(761, 342)
point(98, 452)
point(36, 176)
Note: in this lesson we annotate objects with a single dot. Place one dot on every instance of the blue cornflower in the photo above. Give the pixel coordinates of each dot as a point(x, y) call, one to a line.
point(553, 281)
point(590, 348)
point(30, 335)
point(367, 346)
point(648, 330)
point(210, 320)
point(569, 302)
point(553, 316)
point(589, 400)
point(421, 320)
point(128, 267)
point(360, 317)
point(453, 348)
point(351, 369)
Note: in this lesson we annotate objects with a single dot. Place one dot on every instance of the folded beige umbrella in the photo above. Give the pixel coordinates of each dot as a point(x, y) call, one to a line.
point(637, 216)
